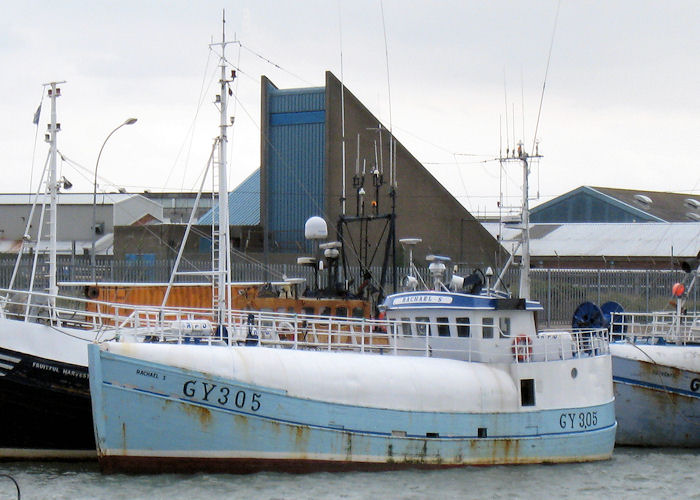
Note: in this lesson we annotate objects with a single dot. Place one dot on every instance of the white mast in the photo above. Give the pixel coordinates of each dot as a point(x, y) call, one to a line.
point(524, 243)
point(52, 188)
point(223, 260)
point(525, 265)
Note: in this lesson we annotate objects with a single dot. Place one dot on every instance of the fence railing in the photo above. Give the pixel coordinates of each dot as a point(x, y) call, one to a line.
point(559, 290)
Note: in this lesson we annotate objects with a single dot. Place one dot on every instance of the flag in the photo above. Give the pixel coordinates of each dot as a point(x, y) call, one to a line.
point(36, 115)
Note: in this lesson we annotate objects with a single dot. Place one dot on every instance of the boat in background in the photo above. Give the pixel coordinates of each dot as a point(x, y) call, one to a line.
point(280, 296)
point(656, 372)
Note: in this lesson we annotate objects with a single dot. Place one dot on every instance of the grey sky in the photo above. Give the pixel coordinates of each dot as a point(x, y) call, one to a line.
point(621, 106)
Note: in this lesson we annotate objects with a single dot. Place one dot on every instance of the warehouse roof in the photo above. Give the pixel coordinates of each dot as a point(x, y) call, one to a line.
point(681, 239)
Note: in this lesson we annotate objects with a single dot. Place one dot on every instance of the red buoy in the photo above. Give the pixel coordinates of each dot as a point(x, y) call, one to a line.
point(677, 289)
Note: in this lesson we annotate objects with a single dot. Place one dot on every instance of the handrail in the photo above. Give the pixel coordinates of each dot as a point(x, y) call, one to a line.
point(303, 331)
point(656, 327)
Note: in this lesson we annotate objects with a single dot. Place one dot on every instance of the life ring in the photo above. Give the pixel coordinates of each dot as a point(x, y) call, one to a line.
point(522, 348)
point(285, 331)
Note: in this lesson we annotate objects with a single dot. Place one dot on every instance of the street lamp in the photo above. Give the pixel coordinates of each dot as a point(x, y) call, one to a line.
point(93, 264)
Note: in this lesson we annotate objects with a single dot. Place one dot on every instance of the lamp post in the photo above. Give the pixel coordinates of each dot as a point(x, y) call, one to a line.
point(93, 264)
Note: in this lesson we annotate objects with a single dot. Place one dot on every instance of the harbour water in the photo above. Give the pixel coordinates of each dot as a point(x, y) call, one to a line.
point(631, 473)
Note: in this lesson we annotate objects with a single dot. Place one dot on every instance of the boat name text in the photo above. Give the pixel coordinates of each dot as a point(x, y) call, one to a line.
point(147, 373)
point(224, 395)
point(580, 420)
point(423, 299)
point(63, 371)
point(695, 384)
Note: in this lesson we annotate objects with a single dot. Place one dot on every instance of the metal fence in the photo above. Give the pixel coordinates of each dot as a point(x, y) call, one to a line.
point(559, 290)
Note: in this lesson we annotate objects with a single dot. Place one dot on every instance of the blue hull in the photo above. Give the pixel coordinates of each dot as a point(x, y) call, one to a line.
point(656, 405)
point(152, 417)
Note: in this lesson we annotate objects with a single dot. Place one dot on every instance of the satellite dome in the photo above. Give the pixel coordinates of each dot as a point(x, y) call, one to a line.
point(316, 228)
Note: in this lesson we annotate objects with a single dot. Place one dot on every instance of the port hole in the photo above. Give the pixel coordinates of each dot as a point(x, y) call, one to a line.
point(432, 434)
point(482, 432)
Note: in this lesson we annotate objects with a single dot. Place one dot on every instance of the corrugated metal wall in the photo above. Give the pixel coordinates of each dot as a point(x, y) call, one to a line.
point(296, 177)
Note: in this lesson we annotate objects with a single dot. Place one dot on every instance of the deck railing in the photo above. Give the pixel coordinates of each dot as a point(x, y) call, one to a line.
point(559, 290)
point(655, 328)
point(108, 321)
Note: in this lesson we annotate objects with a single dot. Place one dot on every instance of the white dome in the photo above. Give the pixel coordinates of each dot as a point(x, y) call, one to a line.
point(316, 229)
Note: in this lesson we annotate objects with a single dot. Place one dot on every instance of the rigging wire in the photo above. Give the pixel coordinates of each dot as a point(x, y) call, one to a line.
point(546, 72)
point(342, 102)
point(236, 83)
point(274, 64)
point(203, 92)
point(392, 179)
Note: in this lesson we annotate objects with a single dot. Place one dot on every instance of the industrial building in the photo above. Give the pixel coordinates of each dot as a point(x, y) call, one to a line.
point(600, 227)
point(74, 220)
point(602, 204)
point(303, 174)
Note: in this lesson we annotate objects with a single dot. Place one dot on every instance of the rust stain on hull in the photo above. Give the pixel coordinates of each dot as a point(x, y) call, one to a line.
point(200, 413)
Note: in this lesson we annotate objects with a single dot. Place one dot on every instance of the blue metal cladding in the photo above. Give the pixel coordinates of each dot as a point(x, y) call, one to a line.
point(296, 177)
point(243, 204)
point(297, 118)
point(297, 100)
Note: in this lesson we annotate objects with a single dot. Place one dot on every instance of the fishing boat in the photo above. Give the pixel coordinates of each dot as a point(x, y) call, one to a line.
point(44, 392)
point(656, 373)
point(456, 374)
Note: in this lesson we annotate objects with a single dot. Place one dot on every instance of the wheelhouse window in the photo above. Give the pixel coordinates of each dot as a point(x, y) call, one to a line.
point(487, 328)
point(422, 325)
point(443, 327)
point(504, 325)
point(406, 327)
point(463, 327)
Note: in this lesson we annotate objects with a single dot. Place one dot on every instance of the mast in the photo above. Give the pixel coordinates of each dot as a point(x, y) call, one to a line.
point(222, 257)
point(52, 187)
point(525, 271)
point(524, 243)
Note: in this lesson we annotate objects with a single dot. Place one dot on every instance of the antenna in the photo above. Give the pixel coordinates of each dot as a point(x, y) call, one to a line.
point(546, 72)
point(342, 107)
point(505, 100)
point(514, 141)
point(522, 98)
